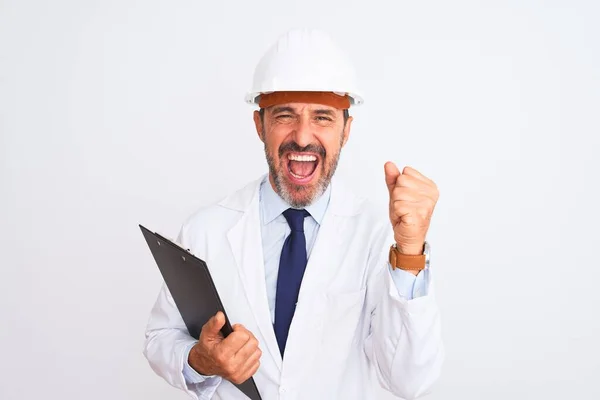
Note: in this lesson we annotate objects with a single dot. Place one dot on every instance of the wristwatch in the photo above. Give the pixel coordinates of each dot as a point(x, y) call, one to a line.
point(417, 262)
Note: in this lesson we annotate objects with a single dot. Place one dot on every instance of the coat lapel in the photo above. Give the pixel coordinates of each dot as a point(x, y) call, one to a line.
point(246, 244)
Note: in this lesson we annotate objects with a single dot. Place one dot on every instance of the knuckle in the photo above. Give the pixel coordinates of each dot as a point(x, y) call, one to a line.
point(237, 378)
point(220, 359)
point(229, 370)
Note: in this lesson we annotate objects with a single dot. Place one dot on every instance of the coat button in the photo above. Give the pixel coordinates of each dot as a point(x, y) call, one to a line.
point(281, 389)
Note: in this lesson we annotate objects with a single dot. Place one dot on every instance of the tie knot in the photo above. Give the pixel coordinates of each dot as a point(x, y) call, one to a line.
point(295, 218)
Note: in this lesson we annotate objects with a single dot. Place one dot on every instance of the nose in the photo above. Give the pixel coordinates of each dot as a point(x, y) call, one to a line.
point(303, 134)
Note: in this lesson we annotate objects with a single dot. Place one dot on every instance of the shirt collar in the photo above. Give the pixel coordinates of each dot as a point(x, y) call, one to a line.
point(272, 205)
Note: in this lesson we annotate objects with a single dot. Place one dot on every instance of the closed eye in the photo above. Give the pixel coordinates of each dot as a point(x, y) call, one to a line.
point(283, 116)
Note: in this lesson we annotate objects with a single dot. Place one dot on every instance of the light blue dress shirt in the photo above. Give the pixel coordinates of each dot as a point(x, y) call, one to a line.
point(275, 229)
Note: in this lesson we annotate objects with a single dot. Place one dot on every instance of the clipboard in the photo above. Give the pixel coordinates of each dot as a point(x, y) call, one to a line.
point(188, 279)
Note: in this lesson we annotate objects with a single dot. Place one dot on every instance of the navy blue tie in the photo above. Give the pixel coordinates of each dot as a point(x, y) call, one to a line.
point(291, 270)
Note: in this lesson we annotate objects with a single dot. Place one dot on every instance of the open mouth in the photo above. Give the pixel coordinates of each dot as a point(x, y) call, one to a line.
point(301, 167)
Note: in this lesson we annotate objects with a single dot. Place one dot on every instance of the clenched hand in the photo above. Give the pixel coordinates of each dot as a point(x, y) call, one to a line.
point(235, 358)
point(412, 199)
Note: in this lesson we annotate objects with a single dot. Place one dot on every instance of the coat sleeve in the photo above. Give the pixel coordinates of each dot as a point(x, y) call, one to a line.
point(404, 341)
point(167, 346)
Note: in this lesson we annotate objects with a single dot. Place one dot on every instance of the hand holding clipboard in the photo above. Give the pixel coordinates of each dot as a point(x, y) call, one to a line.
point(195, 295)
point(235, 357)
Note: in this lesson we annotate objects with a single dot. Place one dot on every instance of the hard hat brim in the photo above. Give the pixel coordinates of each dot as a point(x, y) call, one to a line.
point(253, 98)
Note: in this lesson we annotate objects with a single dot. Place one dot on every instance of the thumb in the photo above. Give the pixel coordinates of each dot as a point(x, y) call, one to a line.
point(214, 325)
point(391, 175)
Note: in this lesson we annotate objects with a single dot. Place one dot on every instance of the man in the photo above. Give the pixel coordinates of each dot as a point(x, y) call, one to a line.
point(319, 299)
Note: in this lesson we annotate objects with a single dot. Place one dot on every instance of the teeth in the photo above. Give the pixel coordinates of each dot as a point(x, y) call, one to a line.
point(296, 157)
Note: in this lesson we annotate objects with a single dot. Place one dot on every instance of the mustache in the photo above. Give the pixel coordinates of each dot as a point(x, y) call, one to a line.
point(293, 146)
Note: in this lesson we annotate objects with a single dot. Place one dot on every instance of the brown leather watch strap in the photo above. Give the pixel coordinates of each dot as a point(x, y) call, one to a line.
point(406, 261)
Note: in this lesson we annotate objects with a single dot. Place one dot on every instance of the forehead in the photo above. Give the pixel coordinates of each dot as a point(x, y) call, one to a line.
point(300, 108)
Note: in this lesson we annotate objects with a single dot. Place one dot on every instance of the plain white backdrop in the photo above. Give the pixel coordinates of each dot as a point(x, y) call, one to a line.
point(114, 113)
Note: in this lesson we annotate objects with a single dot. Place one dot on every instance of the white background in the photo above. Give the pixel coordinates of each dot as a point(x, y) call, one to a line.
point(115, 113)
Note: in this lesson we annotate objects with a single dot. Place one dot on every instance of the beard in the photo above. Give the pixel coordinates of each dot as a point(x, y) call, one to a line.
point(301, 196)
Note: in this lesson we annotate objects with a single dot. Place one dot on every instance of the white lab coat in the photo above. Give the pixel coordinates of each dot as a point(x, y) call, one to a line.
point(349, 320)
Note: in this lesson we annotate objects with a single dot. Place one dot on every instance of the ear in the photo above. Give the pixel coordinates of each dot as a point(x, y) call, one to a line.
point(259, 126)
point(346, 131)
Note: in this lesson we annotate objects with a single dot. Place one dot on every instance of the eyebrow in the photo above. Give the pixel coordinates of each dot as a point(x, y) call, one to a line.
point(323, 111)
point(277, 110)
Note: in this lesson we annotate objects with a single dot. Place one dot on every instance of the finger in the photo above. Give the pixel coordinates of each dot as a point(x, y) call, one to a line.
point(241, 370)
point(414, 173)
point(249, 370)
point(242, 331)
point(412, 181)
point(405, 194)
point(413, 192)
point(239, 327)
point(247, 349)
point(213, 326)
point(233, 343)
point(391, 174)
point(241, 377)
point(247, 364)
point(253, 369)
point(255, 357)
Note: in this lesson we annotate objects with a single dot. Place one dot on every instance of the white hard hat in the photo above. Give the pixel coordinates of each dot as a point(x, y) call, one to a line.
point(305, 60)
